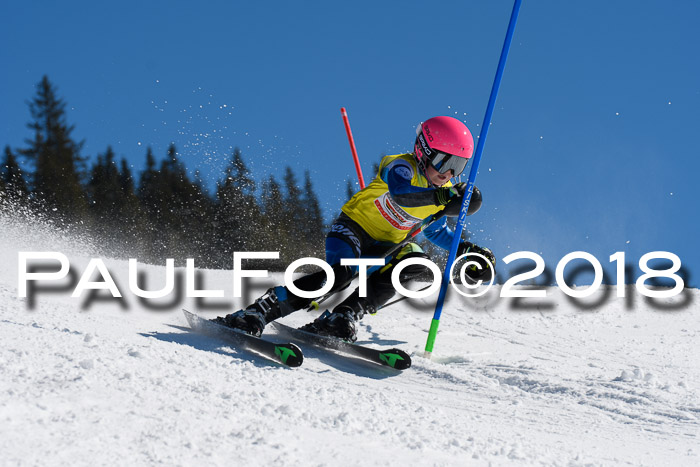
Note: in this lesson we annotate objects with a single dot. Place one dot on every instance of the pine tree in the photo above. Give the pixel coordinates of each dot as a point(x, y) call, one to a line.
point(56, 156)
point(313, 229)
point(237, 210)
point(273, 231)
point(103, 192)
point(293, 212)
point(273, 200)
point(118, 221)
point(201, 233)
point(149, 200)
point(349, 190)
point(176, 197)
point(131, 214)
point(12, 179)
point(147, 191)
point(104, 188)
point(126, 181)
point(292, 219)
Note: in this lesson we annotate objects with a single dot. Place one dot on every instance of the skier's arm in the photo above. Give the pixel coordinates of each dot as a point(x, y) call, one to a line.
point(440, 234)
point(397, 176)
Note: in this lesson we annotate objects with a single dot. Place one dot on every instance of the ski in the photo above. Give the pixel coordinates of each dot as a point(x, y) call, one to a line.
point(287, 354)
point(394, 358)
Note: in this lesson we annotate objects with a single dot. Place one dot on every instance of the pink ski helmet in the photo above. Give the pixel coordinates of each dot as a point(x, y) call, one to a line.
point(445, 143)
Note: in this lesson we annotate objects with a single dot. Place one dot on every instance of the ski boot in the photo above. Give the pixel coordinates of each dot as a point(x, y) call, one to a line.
point(340, 323)
point(265, 309)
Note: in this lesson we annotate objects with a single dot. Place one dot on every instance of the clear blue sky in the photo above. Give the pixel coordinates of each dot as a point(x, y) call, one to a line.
point(593, 144)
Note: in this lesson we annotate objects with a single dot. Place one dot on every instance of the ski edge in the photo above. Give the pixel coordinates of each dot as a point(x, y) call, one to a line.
point(393, 357)
point(288, 353)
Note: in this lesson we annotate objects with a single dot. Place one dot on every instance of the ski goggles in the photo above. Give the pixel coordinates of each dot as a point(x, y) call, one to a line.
point(443, 163)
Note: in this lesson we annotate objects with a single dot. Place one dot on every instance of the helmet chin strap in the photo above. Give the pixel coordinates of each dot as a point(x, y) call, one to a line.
point(421, 165)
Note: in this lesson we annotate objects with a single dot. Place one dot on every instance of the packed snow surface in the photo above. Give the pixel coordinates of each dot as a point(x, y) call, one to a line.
point(551, 381)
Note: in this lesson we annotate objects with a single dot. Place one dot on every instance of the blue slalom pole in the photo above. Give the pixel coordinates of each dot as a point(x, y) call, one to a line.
point(461, 220)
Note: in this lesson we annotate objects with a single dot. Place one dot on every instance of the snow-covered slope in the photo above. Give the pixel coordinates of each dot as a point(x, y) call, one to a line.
point(532, 382)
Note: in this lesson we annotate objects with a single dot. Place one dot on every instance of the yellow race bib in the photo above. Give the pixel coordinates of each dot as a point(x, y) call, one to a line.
point(381, 217)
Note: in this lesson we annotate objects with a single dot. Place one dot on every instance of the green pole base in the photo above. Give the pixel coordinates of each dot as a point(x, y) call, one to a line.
point(432, 334)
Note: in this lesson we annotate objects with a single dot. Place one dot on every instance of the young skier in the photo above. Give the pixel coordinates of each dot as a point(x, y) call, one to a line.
point(408, 189)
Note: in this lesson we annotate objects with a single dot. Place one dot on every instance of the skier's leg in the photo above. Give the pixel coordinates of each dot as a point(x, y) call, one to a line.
point(341, 322)
point(380, 289)
point(345, 240)
point(278, 301)
point(286, 302)
point(336, 249)
point(341, 242)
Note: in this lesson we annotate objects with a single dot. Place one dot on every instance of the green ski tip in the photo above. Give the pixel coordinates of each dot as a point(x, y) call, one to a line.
point(396, 358)
point(288, 356)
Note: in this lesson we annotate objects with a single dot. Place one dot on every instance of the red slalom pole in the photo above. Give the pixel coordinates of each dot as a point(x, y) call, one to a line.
point(352, 147)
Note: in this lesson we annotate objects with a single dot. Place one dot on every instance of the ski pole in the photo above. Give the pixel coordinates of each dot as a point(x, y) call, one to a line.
point(413, 233)
point(402, 298)
point(470, 184)
point(352, 147)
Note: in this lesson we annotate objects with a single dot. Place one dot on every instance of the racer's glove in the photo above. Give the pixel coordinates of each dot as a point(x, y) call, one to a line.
point(447, 194)
point(455, 205)
point(482, 270)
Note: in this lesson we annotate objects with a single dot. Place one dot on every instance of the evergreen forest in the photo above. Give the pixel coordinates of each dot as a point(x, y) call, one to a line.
point(161, 211)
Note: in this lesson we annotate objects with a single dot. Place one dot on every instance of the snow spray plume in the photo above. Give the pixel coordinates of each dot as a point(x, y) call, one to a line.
point(24, 228)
